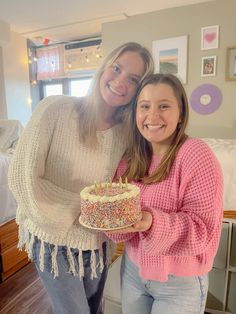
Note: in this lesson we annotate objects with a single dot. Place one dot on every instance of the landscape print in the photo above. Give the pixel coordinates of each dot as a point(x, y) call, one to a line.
point(169, 61)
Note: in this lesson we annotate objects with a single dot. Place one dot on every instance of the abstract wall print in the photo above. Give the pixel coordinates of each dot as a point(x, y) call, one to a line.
point(169, 61)
point(170, 56)
point(210, 37)
point(208, 67)
point(206, 99)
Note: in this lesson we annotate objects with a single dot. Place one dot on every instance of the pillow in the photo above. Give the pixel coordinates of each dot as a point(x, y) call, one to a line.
point(9, 133)
point(225, 151)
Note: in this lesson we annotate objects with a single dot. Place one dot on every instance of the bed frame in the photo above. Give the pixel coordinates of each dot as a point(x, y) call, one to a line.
point(230, 214)
point(11, 259)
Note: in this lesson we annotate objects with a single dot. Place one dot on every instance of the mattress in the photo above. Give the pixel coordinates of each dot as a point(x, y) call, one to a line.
point(7, 201)
point(225, 151)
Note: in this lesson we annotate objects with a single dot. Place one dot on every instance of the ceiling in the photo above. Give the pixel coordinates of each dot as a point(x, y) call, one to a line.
point(60, 20)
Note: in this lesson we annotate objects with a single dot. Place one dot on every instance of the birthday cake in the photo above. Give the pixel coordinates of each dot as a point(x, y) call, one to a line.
point(110, 206)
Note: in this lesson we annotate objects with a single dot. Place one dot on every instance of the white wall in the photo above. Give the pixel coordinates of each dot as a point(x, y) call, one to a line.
point(188, 20)
point(4, 39)
point(4, 32)
point(3, 105)
point(14, 77)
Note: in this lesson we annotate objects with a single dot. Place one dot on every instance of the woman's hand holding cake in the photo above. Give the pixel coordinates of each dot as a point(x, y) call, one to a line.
point(144, 224)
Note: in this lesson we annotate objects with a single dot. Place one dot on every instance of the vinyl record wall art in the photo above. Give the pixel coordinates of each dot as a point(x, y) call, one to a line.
point(206, 99)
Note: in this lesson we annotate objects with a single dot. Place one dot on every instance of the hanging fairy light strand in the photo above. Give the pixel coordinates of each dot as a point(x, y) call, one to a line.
point(83, 58)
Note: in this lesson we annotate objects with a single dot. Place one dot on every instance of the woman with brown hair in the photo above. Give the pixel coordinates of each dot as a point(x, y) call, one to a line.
point(169, 252)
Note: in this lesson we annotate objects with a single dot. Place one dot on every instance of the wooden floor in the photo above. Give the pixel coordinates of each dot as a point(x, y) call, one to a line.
point(23, 293)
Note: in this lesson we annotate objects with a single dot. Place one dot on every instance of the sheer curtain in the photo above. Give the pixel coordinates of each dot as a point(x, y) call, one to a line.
point(50, 62)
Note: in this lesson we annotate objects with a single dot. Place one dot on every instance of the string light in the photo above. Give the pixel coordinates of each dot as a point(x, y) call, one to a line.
point(71, 57)
point(83, 58)
point(29, 52)
point(29, 100)
point(31, 57)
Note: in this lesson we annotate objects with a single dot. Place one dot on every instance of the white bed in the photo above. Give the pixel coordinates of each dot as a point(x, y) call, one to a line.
point(9, 135)
point(11, 259)
point(225, 151)
point(7, 201)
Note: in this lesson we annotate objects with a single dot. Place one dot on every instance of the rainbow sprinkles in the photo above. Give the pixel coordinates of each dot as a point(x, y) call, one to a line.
point(109, 206)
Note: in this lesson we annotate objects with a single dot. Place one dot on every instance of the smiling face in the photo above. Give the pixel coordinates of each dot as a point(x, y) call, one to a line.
point(119, 81)
point(157, 115)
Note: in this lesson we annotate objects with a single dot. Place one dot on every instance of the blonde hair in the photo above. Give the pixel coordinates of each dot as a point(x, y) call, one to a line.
point(89, 110)
point(140, 152)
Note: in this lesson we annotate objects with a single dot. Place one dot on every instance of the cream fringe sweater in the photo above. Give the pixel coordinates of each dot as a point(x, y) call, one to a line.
point(49, 169)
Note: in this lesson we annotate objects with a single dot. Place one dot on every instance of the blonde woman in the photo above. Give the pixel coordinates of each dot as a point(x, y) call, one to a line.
point(68, 144)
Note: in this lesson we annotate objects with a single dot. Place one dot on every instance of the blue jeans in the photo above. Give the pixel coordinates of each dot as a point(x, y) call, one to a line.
point(185, 295)
point(69, 294)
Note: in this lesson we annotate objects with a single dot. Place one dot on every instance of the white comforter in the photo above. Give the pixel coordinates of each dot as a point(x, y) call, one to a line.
point(7, 202)
point(225, 151)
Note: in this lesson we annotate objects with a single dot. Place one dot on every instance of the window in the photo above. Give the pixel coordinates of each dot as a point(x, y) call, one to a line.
point(50, 62)
point(53, 89)
point(79, 87)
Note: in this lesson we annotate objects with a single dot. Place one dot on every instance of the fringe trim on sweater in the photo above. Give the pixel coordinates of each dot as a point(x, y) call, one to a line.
point(54, 262)
point(76, 265)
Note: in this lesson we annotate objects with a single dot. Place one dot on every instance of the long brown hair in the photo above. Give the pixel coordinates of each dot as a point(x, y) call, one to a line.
point(140, 152)
point(89, 111)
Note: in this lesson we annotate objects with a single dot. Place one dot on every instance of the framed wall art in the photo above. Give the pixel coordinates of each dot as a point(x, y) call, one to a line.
point(231, 64)
point(208, 67)
point(170, 56)
point(210, 37)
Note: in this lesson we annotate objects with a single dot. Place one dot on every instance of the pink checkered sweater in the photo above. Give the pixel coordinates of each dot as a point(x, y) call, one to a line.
point(187, 212)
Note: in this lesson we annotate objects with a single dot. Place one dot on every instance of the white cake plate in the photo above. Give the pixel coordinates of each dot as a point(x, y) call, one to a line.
point(107, 229)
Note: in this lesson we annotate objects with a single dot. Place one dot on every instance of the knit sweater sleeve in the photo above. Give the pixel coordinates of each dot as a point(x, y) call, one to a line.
point(196, 224)
point(47, 201)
